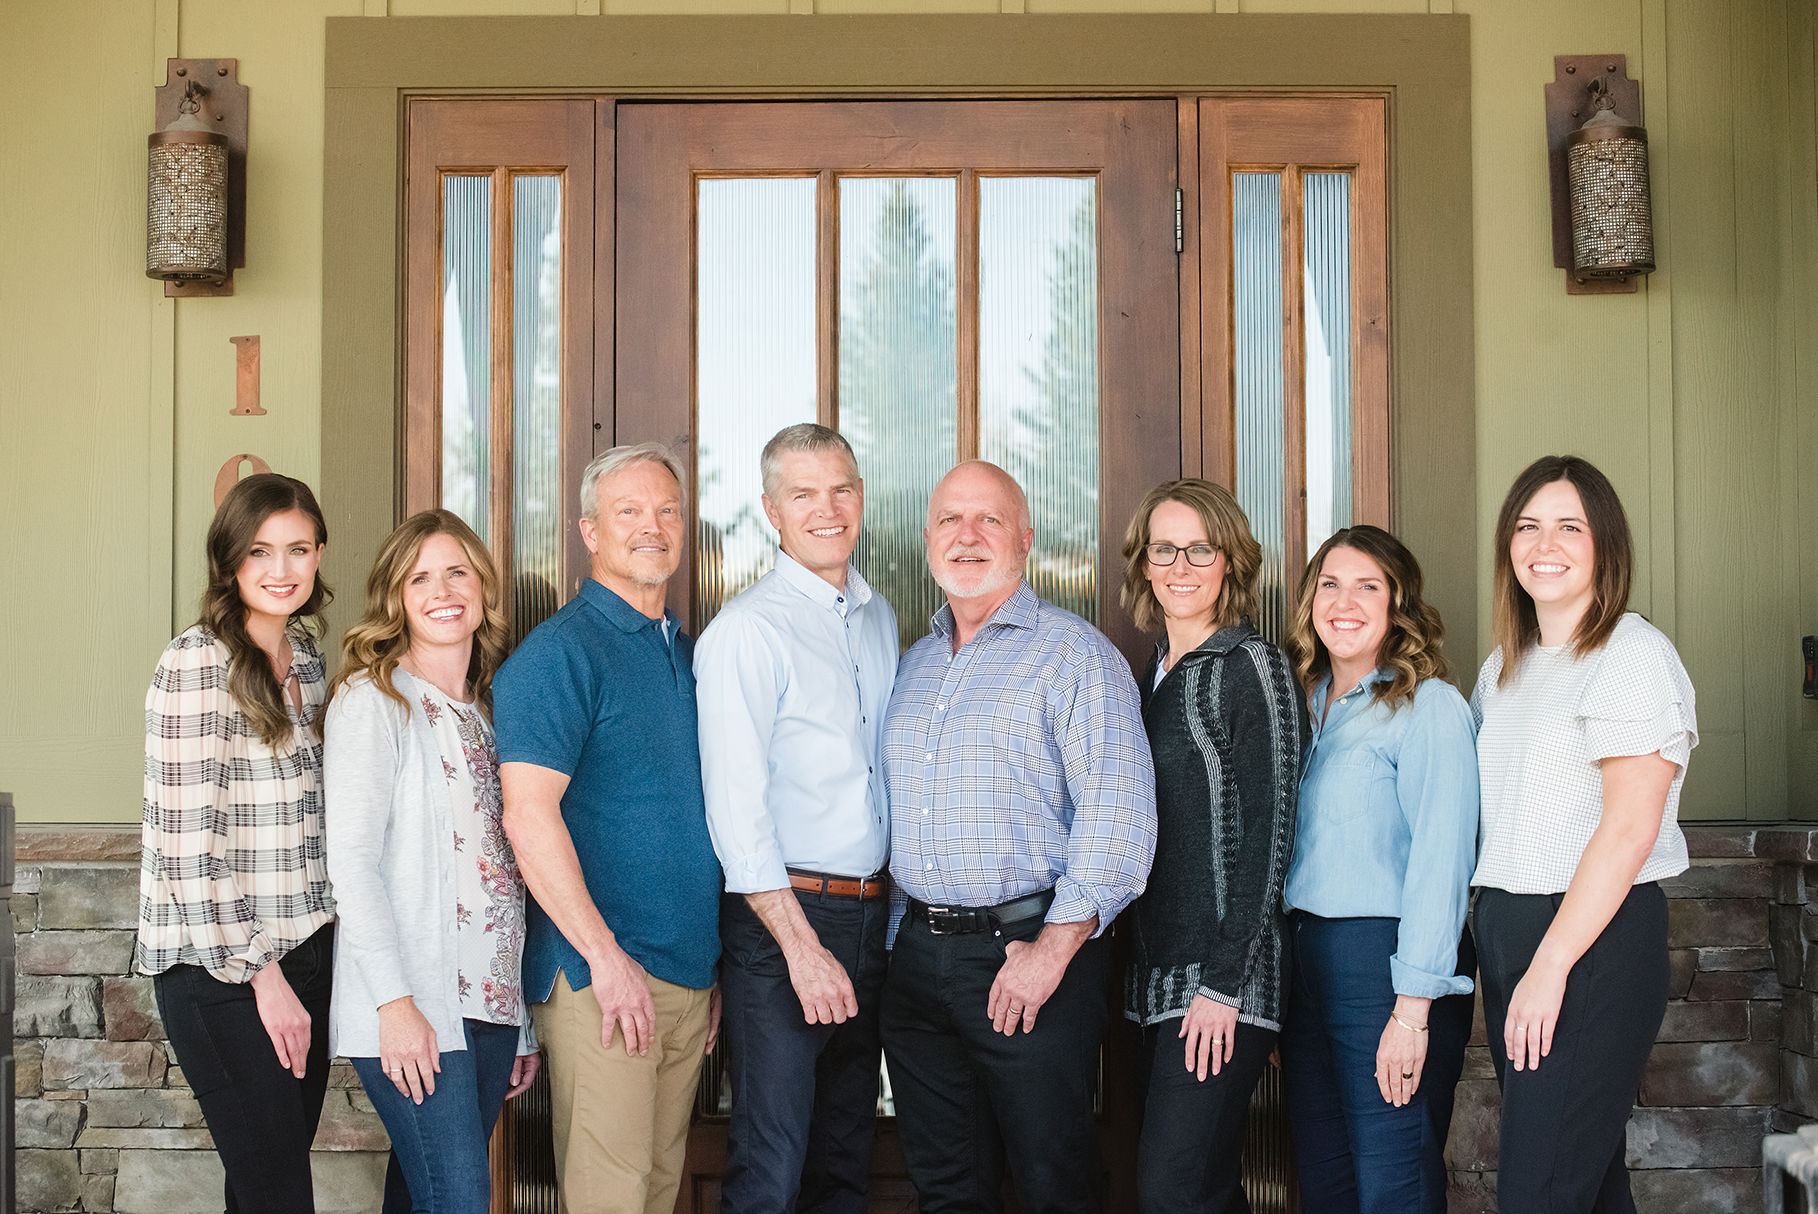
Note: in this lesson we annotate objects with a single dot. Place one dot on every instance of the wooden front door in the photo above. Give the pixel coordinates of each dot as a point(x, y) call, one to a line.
point(940, 281)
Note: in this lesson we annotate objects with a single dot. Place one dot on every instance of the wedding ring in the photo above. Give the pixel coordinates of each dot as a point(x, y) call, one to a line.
point(397, 1070)
point(1407, 1074)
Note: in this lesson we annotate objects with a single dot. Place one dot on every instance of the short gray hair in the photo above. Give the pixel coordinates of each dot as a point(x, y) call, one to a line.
point(802, 437)
point(615, 461)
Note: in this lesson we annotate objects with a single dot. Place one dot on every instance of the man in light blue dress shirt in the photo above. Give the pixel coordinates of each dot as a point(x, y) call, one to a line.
point(793, 677)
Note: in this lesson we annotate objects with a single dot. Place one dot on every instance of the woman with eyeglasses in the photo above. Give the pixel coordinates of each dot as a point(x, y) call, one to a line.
point(1226, 725)
point(1379, 1005)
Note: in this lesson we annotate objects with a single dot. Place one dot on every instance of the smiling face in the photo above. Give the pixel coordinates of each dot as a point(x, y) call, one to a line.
point(819, 503)
point(636, 532)
point(442, 595)
point(1351, 614)
point(977, 534)
point(1186, 592)
point(1553, 553)
point(279, 572)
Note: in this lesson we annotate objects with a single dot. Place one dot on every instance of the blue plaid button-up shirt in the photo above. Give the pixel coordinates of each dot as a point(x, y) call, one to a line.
point(1019, 764)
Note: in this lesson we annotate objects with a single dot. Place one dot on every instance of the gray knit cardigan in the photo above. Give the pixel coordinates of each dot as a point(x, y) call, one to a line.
point(1226, 727)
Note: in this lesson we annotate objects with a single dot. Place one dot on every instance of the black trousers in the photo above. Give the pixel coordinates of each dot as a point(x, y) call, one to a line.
point(804, 1096)
point(1564, 1123)
point(1190, 1159)
point(967, 1096)
point(262, 1117)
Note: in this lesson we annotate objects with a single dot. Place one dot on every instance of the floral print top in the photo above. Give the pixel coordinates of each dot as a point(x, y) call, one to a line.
point(489, 910)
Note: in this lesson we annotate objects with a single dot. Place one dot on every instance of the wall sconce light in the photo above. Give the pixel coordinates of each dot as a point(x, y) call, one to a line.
point(195, 206)
point(1603, 226)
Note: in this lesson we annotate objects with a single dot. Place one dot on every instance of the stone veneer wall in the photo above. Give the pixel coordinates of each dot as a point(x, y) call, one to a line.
point(107, 1124)
point(105, 1120)
point(1735, 1059)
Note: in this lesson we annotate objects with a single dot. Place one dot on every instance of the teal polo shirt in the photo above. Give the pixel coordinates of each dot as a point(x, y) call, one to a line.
point(596, 693)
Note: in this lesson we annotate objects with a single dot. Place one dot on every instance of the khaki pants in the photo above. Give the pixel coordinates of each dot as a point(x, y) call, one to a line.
point(621, 1123)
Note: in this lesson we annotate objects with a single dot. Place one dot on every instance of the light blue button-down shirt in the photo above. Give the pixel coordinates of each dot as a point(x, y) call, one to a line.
point(1387, 824)
point(792, 678)
point(1020, 764)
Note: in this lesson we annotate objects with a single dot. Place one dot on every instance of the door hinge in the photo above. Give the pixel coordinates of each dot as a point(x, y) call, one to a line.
point(1179, 231)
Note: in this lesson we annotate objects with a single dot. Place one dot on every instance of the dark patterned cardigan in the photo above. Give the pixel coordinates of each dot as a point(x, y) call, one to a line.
point(1226, 727)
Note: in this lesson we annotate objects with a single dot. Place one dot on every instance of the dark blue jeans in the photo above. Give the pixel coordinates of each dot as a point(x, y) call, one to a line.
point(1354, 1152)
point(263, 1118)
point(804, 1096)
point(1191, 1154)
point(440, 1145)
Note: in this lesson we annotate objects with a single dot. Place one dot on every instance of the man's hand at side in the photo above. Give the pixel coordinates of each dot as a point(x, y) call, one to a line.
point(1031, 972)
point(820, 981)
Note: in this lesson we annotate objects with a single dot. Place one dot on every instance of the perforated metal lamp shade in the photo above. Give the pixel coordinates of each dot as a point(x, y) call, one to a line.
point(1612, 213)
point(186, 203)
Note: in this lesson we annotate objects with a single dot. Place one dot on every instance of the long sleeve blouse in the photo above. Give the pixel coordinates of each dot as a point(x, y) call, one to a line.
point(232, 872)
point(1388, 824)
point(392, 855)
point(1226, 727)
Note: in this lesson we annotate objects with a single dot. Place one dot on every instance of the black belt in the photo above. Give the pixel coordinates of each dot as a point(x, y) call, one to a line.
point(962, 920)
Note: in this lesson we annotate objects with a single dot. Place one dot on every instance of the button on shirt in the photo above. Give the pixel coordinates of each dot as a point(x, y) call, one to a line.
point(1019, 764)
point(792, 679)
point(1388, 824)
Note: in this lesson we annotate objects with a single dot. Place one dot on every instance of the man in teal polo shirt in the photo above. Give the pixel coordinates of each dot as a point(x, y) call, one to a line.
point(600, 762)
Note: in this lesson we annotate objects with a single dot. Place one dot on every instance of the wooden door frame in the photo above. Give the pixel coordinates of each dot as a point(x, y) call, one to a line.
point(1422, 63)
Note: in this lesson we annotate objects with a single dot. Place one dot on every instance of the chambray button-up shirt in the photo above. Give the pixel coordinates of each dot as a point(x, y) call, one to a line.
point(1019, 764)
point(1387, 824)
point(791, 680)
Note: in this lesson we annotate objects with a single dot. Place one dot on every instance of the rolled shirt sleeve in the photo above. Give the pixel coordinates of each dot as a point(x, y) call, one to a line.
point(1437, 788)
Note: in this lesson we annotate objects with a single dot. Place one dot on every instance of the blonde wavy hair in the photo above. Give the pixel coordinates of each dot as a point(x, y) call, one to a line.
point(1410, 648)
point(1227, 529)
point(373, 646)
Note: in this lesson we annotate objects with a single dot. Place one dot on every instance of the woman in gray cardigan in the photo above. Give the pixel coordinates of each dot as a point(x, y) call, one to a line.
point(428, 1001)
point(1226, 725)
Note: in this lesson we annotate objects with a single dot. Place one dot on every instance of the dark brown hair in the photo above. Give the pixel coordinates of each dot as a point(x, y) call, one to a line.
point(255, 689)
point(1512, 619)
point(1227, 529)
point(374, 645)
point(1411, 646)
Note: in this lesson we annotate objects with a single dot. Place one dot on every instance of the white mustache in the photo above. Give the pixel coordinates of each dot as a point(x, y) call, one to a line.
point(958, 551)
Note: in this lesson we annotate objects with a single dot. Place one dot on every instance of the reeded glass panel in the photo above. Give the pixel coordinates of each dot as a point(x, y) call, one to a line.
point(467, 348)
point(1257, 371)
point(1326, 270)
point(755, 369)
point(1038, 369)
point(898, 375)
point(536, 401)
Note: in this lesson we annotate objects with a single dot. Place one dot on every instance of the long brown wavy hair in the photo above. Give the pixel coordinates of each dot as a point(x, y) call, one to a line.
point(1227, 529)
point(1411, 646)
point(1512, 619)
point(375, 644)
point(255, 689)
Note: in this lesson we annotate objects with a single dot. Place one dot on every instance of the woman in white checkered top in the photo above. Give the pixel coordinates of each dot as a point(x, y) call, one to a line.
point(236, 922)
point(1586, 724)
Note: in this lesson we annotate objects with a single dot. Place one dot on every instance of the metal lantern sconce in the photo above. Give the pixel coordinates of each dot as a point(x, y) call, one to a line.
point(195, 205)
point(1603, 226)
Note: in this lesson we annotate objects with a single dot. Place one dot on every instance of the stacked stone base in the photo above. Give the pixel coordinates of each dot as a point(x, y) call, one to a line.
point(105, 1119)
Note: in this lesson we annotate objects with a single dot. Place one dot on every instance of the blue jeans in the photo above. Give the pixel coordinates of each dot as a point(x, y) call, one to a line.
point(1354, 1152)
point(440, 1145)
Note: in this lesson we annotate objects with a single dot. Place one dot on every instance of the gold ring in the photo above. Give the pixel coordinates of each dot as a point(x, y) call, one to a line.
point(1407, 1074)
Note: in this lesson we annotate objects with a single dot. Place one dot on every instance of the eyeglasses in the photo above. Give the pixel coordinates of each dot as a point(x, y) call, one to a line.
point(1162, 555)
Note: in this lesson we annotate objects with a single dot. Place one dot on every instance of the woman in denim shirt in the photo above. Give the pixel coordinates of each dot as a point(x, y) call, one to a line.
point(1379, 1009)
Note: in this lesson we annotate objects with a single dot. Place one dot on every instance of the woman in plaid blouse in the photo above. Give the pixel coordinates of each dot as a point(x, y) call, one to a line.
point(236, 922)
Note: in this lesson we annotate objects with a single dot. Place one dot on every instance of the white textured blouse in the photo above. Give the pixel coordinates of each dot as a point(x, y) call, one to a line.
point(392, 824)
point(1539, 741)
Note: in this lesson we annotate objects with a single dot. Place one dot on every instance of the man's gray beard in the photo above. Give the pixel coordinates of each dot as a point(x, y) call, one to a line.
point(994, 583)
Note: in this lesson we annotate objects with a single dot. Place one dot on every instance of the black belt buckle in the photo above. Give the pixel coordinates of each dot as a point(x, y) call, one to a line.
point(959, 920)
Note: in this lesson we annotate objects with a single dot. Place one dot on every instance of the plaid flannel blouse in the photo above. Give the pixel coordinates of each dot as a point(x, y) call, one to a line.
point(232, 871)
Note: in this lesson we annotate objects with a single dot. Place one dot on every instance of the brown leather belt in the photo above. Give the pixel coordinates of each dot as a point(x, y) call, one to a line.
point(839, 887)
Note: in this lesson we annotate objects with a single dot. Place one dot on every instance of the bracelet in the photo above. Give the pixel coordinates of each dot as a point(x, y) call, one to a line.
point(1412, 1028)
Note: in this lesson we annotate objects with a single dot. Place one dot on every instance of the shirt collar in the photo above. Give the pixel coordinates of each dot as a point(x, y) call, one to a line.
point(1017, 611)
point(1324, 687)
point(1220, 642)
point(623, 615)
point(819, 590)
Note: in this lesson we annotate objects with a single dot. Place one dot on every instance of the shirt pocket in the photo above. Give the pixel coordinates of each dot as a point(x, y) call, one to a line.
point(1344, 787)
